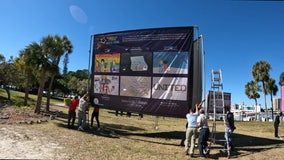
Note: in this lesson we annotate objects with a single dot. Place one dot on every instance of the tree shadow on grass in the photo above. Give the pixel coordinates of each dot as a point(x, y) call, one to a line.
point(103, 132)
point(244, 145)
point(162, 135)
point(131, 132)
point(240, 140)
point(108, 130)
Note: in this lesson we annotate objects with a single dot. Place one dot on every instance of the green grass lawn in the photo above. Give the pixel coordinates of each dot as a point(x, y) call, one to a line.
point(17, 98)
point(128, 138)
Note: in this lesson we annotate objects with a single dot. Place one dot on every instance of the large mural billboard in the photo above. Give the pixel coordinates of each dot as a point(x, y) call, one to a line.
point(145, 71)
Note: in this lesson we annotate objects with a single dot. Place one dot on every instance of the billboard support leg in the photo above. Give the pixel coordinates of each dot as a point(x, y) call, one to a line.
point(156, 126)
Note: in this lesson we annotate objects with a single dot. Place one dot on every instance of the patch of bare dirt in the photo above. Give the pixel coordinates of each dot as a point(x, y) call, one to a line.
point(19, 141)
point(11, 115)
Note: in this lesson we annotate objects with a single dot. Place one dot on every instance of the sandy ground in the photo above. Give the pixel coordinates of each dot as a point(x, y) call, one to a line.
point(18, 142)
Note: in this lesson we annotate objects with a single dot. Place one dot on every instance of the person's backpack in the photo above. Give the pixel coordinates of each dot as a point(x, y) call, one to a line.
point(230, 117)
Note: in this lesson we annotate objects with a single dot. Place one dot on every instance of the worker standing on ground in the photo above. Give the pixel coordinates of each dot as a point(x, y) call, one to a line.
point(276, 123)
point(83, 106)
point(72, 111)
point(191, 129)
point(204, 133)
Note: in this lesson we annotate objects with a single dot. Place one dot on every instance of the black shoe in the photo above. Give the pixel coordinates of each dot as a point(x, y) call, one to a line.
point(186, 153)
point(207, 151)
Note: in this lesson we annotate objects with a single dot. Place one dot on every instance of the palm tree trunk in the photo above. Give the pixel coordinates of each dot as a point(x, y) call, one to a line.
point(40, 91)
point(48, 94)
point(8, 93)
point(27, 89)
point(264, 94)
point(271, 106)
point(57, 60)
point(255, 109)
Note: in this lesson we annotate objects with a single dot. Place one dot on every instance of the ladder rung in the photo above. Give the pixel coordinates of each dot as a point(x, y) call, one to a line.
point(215, 87)
point(218, 96)
point(220, 140)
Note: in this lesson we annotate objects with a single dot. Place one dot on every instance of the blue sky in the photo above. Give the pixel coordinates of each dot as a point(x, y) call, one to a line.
point(236, 34)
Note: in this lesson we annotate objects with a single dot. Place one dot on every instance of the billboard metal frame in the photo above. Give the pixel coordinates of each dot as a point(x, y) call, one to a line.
point(195, 81)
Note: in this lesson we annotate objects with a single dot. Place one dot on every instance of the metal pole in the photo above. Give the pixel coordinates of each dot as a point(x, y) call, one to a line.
point(204, 71)
point(89, 63)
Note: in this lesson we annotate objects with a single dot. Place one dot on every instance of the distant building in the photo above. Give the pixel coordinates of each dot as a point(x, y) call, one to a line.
point(276, 104)
point(245, 112)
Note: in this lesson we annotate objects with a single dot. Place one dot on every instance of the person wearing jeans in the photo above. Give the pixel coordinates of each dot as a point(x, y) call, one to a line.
point(229, 128)
point(276, 123)
point(95, 114)
point(204, 133)
point(83, 104)
point(191, 129)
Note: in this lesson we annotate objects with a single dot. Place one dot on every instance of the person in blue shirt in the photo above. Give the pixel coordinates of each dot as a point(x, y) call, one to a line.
point(191, 129)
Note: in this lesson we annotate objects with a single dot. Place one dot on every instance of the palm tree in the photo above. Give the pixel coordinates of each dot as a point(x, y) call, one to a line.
point(260, 73)
point(34, 60)
point(28, 62)
point(251, 90)
point(21, 65)
point(272, 89)
point(46, 53)
point(62, 46)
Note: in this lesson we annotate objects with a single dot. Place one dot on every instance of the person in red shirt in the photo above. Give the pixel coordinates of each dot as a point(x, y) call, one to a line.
point(72, 111)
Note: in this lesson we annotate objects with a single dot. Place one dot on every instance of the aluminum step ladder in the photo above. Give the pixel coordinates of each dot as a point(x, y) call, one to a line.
point(218, 104)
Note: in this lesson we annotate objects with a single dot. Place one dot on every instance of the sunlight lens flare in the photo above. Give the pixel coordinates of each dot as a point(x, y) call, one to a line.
point(78, 14)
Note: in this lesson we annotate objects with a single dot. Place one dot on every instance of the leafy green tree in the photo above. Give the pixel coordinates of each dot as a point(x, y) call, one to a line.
point(21, 65)
point(260, 73)
point(272, 89)
point(73, 85)
point(251, 90)
point(82, 86)
point(8, 76)
point(82, 74)
point(72, 79)
point(65, 63)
